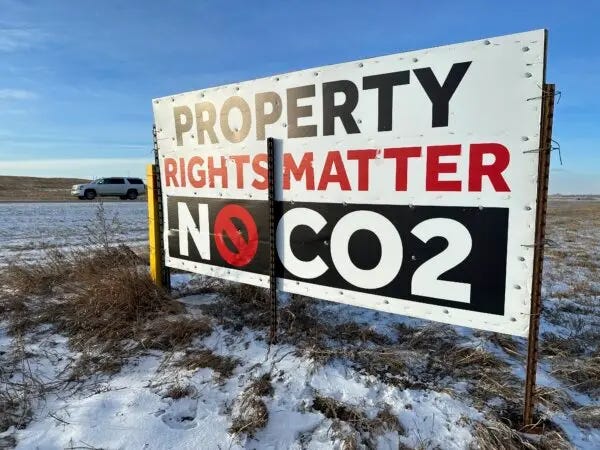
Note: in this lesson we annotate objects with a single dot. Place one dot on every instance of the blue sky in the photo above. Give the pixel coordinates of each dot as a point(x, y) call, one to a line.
point(77, 78)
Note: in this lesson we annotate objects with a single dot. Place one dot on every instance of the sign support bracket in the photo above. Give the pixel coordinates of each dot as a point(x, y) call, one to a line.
point(538, 258)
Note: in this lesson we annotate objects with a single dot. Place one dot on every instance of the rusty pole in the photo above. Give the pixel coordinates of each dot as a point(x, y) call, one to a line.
point(538, 258)
point(272, 260)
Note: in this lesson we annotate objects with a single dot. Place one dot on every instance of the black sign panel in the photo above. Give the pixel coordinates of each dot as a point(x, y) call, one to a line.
point(483, 268)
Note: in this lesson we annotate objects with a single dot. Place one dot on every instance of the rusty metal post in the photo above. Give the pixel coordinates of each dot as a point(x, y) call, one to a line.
point(272, 249)
point(538, 258)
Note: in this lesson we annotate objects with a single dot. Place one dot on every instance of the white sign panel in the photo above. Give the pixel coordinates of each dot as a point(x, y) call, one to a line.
point(405, 183)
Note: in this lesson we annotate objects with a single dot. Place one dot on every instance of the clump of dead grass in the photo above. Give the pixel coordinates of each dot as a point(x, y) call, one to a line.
point(250, 413)
point(582, 374)
point(554, 399)
point(352, 426)
point(103, 301)
point(177, 391)
point(496, 435)
point(262, 386)
point(587, 416)
point(204, 358)
point(353, 332)
point(241, 305)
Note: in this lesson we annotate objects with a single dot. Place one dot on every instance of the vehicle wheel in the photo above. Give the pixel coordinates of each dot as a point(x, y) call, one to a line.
point(132, 194)
point(123, 197)
point(90, 194)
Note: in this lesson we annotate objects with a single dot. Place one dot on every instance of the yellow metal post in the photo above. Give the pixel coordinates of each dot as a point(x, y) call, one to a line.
point(154, 237)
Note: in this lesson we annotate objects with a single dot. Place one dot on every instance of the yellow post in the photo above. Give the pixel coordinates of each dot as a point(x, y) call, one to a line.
point(153, 226)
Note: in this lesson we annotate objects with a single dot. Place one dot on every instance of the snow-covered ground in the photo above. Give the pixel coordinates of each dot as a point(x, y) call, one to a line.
point(136, 408)
point(28, 228)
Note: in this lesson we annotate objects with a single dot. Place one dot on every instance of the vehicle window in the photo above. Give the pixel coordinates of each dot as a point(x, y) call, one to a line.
point(135, 181)
point(116, 181)
point(100, 181)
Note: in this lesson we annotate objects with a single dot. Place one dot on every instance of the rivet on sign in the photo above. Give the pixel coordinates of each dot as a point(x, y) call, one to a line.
point(486, 42)
point(524, 138)
point(276, 78)
point(284, 125)
point(359, 121)
point(156, 101)
point(202, 94)
point(413, 257)
point(528, 75)
point(415, 59)
point(387, 302)
point(172, 99)
point(525, 49)
point(411, 206)
point(344, 203)
point(446, 311)
point(360, 64)
point(528, 208)
point(341, 292)
point(512, 319)
point(326, 242)
point(192, 136)
point(480, 208)
point(521, 258)
point(517, 286)
point(237, 88)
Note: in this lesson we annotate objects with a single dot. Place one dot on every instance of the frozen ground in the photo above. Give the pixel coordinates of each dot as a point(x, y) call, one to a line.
point(341, 377)
point(26, 229)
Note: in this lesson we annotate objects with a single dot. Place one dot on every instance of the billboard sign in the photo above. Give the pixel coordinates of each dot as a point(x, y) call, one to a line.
point(405, 183)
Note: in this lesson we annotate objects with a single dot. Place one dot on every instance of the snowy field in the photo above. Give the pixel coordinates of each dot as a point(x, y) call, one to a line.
point(26, 229)
point(340, 377)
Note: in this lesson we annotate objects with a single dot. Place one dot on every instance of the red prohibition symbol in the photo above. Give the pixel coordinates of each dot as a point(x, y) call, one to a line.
point(224, 226)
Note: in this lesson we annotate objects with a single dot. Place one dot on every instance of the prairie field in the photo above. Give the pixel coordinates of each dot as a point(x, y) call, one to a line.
point(93, 355)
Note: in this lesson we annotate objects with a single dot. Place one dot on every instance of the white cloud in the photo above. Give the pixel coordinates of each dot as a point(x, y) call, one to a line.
point(16, 94)
point(76, 168)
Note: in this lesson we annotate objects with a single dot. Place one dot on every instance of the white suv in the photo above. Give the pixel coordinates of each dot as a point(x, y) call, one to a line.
point(124, 188)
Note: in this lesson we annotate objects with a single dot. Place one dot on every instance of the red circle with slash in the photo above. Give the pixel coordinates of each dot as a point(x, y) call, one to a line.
point(224, 226)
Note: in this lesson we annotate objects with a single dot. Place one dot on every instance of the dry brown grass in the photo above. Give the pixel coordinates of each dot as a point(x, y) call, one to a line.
point(194, 359)
point(262, 386)
point(250, 412)
point(241, 305)
point(14, 188)
point(103, 300)
point(351, 425)
point(582, 374)
point(587, 416)
point(177, 391)
point(495, 435)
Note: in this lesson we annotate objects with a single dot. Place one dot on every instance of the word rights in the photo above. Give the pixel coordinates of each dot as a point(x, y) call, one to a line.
point(405, 183)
